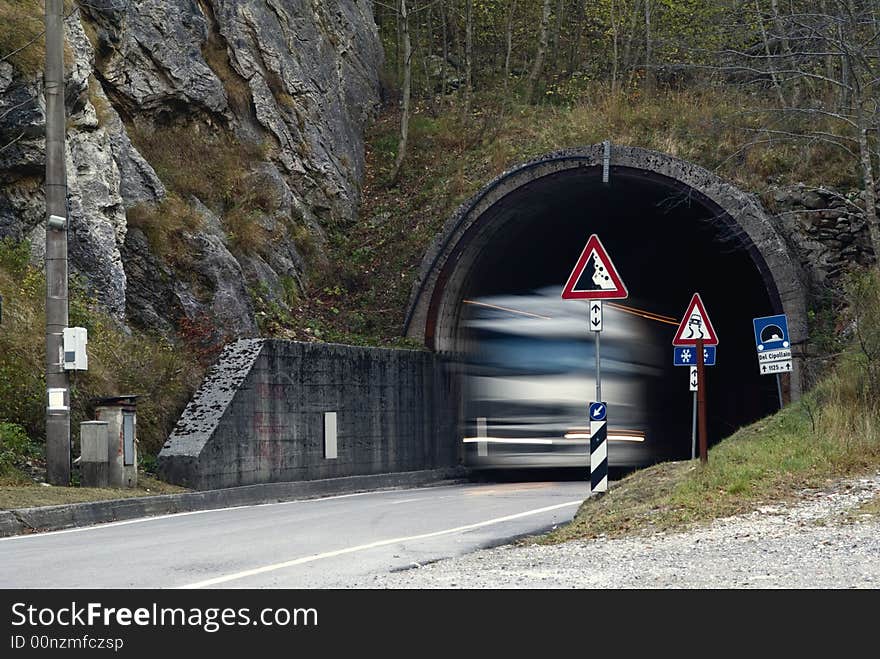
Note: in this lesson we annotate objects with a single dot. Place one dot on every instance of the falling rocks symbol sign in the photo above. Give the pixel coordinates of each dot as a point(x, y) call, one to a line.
point(594, 276)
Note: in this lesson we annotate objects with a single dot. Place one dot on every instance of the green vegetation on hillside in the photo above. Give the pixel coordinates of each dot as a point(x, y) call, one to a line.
point(452, 156)
point(120, 362)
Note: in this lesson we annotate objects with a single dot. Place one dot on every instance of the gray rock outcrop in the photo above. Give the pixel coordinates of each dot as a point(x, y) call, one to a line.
point(826, 227)
point(293, 80)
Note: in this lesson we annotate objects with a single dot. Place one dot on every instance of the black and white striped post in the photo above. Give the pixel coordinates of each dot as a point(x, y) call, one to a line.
point(598, 448)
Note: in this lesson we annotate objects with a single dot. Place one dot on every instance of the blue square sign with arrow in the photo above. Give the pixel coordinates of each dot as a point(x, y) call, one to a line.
point(598, 411)
point(771, 333)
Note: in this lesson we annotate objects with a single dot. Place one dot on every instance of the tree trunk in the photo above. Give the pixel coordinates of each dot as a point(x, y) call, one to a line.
point(557, 31)
point(786, 49)
point(614, 60)
point(511, 10)
point(829, 59)
point(445, 51)
point(625, 61)
point(649, 71)
point(861, 97)
point(538, 65)
point(845, 82)
point(428, 50)
point(407, 90)
point(869, 181)
point(469, 55)
point(767, 52)
point(574, 50)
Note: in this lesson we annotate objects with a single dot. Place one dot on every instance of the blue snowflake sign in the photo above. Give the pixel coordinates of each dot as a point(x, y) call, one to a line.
point(687, 356)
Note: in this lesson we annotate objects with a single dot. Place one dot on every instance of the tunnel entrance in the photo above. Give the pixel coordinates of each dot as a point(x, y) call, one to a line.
point(671, 227)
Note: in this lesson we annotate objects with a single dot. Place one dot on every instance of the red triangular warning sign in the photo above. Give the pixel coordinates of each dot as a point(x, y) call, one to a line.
point(695, 325)
point(594, 277)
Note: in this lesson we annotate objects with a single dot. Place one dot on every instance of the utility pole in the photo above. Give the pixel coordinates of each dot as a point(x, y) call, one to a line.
point(57, 383)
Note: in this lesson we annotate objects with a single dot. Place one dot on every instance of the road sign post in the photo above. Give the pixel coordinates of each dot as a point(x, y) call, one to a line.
point(696, 330)
point(701, 403)
point(774, 348)
point(594, 278)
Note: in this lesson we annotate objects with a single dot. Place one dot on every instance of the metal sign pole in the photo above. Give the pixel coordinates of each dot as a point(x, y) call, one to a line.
point(694, 430)
point(598, 370)
point(701, 402)
point(594, 279)
point(779, 389)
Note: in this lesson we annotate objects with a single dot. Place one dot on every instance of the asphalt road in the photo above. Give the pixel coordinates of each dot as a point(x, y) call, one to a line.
point(318, 543)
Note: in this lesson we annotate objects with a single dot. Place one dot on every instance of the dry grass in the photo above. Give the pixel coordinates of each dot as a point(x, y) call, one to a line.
point(194, 160)
point(33, 495)
point(238, 92)
point(213, 167)
point(22, 38)
point(871, 508)
point(164, 226)
point(21, 30)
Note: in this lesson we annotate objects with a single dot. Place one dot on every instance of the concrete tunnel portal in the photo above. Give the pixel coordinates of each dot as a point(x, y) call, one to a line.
point(672, 229)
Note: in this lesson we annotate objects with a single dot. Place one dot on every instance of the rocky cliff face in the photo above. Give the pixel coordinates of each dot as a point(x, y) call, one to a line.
point(826, 228)
point(285, 85)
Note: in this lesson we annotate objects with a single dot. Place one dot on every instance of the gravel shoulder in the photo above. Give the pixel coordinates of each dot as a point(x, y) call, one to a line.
point(820, 540)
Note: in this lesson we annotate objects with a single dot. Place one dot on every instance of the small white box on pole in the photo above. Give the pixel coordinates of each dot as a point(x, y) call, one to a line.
point(75, 341)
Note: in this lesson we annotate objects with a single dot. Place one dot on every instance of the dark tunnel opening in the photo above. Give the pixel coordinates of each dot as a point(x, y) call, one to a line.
point(667, 242)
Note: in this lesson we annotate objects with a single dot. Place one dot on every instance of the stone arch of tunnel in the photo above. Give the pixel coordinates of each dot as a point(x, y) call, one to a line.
point(671, 227)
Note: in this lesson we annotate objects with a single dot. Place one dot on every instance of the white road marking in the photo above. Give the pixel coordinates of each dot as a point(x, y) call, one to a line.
point(372, 545)
point(431, 499)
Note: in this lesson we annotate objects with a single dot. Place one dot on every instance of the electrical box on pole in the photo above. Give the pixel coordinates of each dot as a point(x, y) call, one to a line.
point(75, 355)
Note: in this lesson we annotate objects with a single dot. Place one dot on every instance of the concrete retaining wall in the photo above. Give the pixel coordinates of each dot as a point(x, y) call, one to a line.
point(259, 415)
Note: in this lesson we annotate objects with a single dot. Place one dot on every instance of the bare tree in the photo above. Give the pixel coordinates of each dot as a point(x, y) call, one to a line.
point(649, 71)
point(615, 62)
point(468, 55)
point(511, 10)
point(808, 49)
point(557, 31)
point(406, 91)
point(538, 64)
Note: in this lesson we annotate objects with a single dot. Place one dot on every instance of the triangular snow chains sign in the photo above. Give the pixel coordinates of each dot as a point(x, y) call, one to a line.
point(695, 325)
point(594, 277)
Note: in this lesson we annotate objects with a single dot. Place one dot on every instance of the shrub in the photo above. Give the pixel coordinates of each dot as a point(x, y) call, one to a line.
point(15, 447)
